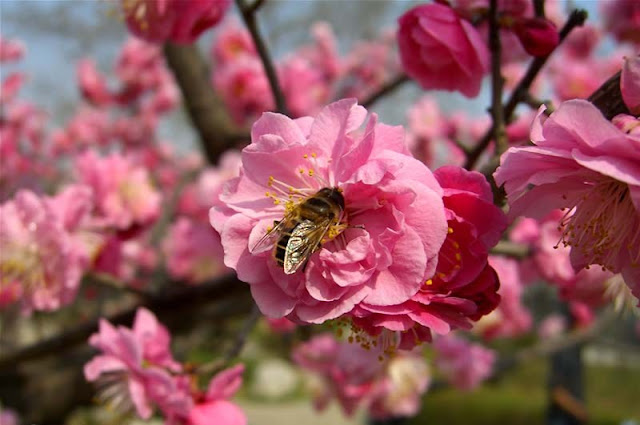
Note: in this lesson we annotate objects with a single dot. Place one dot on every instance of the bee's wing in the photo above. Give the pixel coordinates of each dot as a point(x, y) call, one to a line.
point(271, 236)
point(304, 240)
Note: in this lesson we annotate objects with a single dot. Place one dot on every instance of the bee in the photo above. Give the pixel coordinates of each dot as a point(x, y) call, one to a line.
point(303, 229)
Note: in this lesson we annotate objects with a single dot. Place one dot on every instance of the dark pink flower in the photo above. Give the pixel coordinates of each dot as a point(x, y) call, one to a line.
point(172, 20)
point(442, 51)
point(464, 364)
point(582, 163)
point(93, 84)
point(538, 36)
point(214, 407)
point(464, 287)
point(391, 194)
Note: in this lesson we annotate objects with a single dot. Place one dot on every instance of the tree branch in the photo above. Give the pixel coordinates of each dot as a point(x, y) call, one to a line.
point(205, 109)
point(499, 134)
point(385, 90)
point(608, 98)
point(249, 18)
point(576, 19)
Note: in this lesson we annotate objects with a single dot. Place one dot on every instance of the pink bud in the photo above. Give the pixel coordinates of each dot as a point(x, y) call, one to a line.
point(538, 36)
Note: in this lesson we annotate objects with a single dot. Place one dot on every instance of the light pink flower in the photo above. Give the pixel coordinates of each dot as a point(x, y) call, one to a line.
point(214, 406)
point(244, 88)
point(11, 50)
point(172, 20)
point(123, 191)
point(38, 253)
point(132, 369)
point(89, 127)
point(464, 287)
point(628, 124)
point(622, 19)
point(583, 163)
point(391, 194)
point(630, 83)
point(346, 371)
point(466, 365)
point(581, 42)
point(11, 86)
point(8, 417)
point(442, 51)
point(552, 326)
point(93, 84)
point(232, 40)
point(304, 86)
point(510, 318)
point(193, 251)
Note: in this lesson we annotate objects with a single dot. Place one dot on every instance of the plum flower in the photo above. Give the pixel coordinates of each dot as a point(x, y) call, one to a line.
point(442, 51)
point(392, 198)
point(214, 406)
point(585, 165)
point(464, 364)
point(132, 373)
point(38, 254)
point(465, 286)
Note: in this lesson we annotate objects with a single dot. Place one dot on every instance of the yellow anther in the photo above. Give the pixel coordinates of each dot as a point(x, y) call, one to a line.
point(429, 282)
point(305, 156)
point(311, 172)
point(301, 171)
point(313, 154)
point(267, 194)
point(450, 230)
point(276, 201)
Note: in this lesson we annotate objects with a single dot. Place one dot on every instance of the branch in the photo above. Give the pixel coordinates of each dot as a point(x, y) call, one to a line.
point(167, 304)
point(249, 18)
point(608, 98)
point(576, 19)
point(511, 249)
point(205, 109)
point(385, 90)
point(499, 134)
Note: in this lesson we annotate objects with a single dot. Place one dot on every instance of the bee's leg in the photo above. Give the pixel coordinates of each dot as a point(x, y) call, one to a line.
point(276, 222)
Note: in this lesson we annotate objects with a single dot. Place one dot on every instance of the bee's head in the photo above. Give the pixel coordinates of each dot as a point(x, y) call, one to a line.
point(334, 194)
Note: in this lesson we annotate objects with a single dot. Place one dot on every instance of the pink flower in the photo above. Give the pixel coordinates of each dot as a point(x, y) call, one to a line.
point(132, 370)
point(244, 88)
point(582, 41)
point(552, 326)
point(93, 85)
point(123, 190)
point(11, 86)
point(630, 83)
point(193, 251)
point(442, 51)
point(8, 417)
point(346, 371)
point(510, 318)
point(231, 42)
point(172, 20)
point(622, 19)
point(304, 86)
point(464, 287)
point(464, 364)
point(10, 50)
point(538, 36)
point(281, 325)
point(392, 195)
point(214, 406)
point(583, 163)
point(38, 254)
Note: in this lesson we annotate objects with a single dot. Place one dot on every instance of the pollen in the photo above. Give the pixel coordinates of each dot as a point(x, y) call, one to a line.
point(450, 230)
point(314, 155)
point(428, 282)
point(311, 172)
point(305, 156)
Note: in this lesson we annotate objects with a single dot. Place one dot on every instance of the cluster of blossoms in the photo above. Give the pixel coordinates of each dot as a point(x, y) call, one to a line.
point(309, 78)
point(137, 372)
point(355, 377)
point(413, 254)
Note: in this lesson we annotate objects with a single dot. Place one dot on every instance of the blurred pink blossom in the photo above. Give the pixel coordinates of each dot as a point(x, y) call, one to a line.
point(11, 50)
point(92, 83)
point(394, 196)
point(232, 40)
point(442, 51)
point(466, 365)
point(8, 417)
point(214, 406)
point(622, 19)
point(583, 163)
point(552, 326)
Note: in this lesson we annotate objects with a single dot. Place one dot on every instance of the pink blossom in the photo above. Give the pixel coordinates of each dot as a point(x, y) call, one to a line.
point(93, 84)
point(8, 417)
point(538, 36)
point(123, 191)
point(442, 51)
point(464, 364)
point(132, 369)
point(583, 163)
point(511, 318)
point(400, 392)
point(244, 88)
point(346, 371)
point(627, 124)
point(281, 325)
point(552, 326)
point(172, 20)
point(304, 86)
point(11, 86)
point(193, 251)
point(464, 287)
point(323, 54)
point(630, 83)
point(89, 127)
point(232, 41)
point(38, 253)
point(10, 50)
point(392, 195)
point(581, 42)
point(214, 406)
point(622, 19)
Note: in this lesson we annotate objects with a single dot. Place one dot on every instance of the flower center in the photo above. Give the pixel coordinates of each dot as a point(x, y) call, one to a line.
point(22, 264)
point(112, 391)
point(601, 225)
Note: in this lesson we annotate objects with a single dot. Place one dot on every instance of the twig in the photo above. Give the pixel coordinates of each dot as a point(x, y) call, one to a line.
point(385, 90)
point(576, 19)
point(253, 8)
point(511, 249)
point(108, 281)
point(538, 8)
point(608, 98)
point(205, 109)
point(249, 18)
point(499, 134)
point(169, 303)
point(535, 103)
